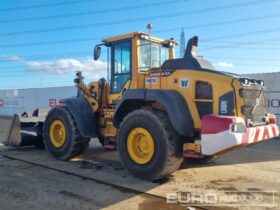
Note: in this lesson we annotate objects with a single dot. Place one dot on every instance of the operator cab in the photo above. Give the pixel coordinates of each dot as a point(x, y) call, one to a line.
point(131, 54)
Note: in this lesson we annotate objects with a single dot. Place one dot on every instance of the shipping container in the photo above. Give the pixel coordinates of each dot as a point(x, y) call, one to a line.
point(20, 100)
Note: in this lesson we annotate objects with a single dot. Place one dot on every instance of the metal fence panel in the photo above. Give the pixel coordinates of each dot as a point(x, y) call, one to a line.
point(20, 100)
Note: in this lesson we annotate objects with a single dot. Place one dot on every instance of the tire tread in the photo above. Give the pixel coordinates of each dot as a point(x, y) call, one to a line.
point(80, 143)
point(173, 162)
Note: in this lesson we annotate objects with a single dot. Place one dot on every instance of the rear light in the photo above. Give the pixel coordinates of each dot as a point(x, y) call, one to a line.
point(238, 128)
point(244, 81)
point(61, 103)
point(234, 128)
point(260, 82)
point(272, 119)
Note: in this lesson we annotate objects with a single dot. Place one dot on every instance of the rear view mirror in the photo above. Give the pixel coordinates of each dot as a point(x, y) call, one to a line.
point(96, 53)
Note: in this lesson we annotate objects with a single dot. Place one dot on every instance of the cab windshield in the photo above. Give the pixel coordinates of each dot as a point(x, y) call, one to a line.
point(152, 55)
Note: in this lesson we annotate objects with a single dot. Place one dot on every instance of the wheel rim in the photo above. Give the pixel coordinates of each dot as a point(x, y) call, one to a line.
point(140, 145)
point(57, 133)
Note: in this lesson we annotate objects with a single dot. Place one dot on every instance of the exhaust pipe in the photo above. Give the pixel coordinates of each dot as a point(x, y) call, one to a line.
point(26, 129)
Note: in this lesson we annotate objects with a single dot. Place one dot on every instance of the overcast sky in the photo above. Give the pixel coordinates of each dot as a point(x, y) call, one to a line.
point(42, 43)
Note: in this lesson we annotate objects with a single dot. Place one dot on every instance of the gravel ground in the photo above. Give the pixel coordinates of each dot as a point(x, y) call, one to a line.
point(31, 179)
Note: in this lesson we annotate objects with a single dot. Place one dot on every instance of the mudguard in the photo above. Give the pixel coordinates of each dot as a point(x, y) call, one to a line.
point(83, 116)
point(173, 102)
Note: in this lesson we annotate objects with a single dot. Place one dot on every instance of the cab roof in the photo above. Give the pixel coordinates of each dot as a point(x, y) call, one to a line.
point(131, 35)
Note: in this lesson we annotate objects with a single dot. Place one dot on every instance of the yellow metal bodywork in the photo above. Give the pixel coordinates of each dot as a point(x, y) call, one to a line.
point(239, 100)
point(118, 96)
point(87, 91)
point(220, 83)
point(107, 129)
point(136, 35)
point(57, 133)
point(140, 145)
point(192, 147)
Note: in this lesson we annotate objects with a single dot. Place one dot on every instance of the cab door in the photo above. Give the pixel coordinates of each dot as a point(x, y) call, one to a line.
point(121, 65)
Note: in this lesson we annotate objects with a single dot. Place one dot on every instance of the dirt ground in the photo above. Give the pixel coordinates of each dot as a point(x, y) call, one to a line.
point(31, 179)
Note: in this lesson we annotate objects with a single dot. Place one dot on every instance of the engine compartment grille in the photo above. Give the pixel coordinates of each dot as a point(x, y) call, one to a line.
point(255, 107)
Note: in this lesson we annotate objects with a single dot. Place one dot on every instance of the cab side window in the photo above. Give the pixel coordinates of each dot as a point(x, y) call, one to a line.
point(121, 65)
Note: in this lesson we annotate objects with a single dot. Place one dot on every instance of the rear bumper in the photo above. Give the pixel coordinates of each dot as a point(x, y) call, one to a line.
point(222, 133)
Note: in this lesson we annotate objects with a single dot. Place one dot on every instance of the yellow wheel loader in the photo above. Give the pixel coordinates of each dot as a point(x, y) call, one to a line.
point(155, 108)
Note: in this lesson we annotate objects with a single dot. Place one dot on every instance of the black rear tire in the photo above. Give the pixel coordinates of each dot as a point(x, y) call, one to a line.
point(164, 160)
point(74, 144)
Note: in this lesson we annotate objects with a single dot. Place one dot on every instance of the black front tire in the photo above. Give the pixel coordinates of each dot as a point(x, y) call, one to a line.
point(74, 144)
point(165, 160)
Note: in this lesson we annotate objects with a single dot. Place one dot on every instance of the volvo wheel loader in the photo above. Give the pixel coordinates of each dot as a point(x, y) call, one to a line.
point(157, 109)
